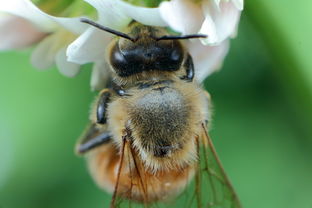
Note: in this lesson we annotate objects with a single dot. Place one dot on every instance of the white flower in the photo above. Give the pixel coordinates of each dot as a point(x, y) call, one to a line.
point(207, 59)
point(16, 32)
point(70, 43)
point(218, 19)
point(221, 20)
point(29, 24)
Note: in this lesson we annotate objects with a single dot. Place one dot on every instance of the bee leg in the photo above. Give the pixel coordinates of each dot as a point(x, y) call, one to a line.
point(189, 68)
point(102, 106)
point(93, 136)
point(94, 142)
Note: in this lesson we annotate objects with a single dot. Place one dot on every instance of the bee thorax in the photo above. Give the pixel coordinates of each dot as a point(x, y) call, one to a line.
point(159, 120)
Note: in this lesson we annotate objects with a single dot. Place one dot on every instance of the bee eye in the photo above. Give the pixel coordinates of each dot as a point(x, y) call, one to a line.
point(119, 62)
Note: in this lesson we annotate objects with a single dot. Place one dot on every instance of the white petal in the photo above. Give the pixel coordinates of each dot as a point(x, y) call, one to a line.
point(71, 24)
point(207, 59)
point(182, 15)
point(47, 23)
point(217, 2)
point(100, 75)
point(27, 10)
point(66, 68)
point(16, 32)
point(239, 4)
point(209, 28)
point(146, 16)
point(110, 14)
point(88, 47)
point(225, 19)
point(43, 55)
point(117, 14)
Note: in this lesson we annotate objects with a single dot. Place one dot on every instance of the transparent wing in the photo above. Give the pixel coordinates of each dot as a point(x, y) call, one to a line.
point(213, 187)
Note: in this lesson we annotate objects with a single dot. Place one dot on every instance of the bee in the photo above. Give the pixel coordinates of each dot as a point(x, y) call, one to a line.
point(148, 137)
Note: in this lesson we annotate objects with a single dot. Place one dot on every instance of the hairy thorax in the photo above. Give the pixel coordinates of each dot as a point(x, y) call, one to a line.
point(164, 121)
point(159, 120)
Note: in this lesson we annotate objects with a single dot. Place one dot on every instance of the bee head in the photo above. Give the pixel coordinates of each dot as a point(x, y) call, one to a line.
point(145, 48)
point(145, 52)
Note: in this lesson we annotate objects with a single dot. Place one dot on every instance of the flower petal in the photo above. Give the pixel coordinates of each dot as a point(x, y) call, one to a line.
point(182, 15)
point(209, 28)
point(43, 55)
point(146, 16)
point(100, 75)
point(207, 59)
point(117, 14)
point(110, 14)
point(16, 32)
point(47, 23)
point(66, 68)
point(73, 25)
point(217, 2)
point(239, 4)
point(225, 19)
point(88, 47)
point(26, 9)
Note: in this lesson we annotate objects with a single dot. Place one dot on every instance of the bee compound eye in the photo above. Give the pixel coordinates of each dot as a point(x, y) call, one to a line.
point(171, 57)
point(117, 60)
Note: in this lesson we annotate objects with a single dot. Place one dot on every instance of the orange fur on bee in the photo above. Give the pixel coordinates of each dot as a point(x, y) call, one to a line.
point(136, 182)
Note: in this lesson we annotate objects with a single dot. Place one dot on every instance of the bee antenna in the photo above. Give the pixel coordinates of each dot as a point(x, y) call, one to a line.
point(181, 37)
point(107, 29)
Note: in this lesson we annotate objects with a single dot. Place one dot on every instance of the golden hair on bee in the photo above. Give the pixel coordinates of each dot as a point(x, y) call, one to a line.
point(147, 126)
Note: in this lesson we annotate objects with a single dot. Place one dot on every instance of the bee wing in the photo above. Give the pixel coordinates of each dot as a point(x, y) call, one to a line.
point(212, 186)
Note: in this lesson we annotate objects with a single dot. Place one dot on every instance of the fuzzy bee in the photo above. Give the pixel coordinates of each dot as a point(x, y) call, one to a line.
point(147, 138)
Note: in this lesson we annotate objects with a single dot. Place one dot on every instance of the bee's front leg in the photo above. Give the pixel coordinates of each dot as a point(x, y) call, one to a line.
point(101, 108)
point(97, 134)
point(189, 69)
point(92, 140)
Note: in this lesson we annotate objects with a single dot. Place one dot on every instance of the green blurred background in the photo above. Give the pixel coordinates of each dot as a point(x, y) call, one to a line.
point(262, 125)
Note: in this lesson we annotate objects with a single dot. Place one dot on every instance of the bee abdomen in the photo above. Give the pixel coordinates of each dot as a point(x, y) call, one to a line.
point(159, 120)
